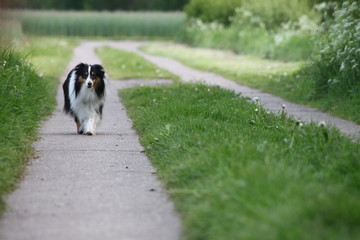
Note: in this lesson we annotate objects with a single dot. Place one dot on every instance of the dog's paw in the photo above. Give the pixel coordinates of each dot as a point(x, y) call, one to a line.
point(90, 133)
point(80, 132)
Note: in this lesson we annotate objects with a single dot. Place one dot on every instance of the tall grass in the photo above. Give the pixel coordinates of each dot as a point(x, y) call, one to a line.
point(103, 24)
point(24, 99)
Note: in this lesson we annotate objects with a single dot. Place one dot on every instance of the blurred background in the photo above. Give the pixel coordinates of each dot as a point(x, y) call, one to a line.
point(96, 4)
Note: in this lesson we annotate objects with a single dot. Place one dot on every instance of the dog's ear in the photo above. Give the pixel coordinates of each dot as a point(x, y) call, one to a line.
point(99, 69)
point(80, 66)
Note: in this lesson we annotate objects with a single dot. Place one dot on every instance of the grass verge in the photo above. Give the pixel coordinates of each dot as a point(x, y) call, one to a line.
point(25, 99)
point(278, 78)
point(238, 172)
point(125, 65)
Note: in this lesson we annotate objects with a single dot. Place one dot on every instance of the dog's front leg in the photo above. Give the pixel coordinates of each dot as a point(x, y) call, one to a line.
point(79, 128)
point(90, 126)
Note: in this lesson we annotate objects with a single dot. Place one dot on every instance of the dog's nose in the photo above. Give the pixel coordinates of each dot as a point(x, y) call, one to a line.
point(89, 84)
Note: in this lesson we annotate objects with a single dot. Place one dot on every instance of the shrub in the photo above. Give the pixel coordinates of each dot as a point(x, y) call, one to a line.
point(272, 13)
point(212, 11)
point(336, 67)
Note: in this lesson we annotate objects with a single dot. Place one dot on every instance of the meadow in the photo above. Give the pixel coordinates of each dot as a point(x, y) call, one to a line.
point(100, 24)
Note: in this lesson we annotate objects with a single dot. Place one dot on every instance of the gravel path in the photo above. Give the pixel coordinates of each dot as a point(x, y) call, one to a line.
point(90, 187)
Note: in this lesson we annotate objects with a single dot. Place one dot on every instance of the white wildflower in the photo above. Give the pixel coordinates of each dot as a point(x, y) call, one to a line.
point(256, 99)
point(321, 124)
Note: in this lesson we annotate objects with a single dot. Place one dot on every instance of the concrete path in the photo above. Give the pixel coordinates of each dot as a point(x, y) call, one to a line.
point(269, 101)
point(90, 187)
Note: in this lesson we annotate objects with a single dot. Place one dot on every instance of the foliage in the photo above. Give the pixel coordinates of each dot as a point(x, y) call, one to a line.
point(247, 34)
point(238, 172)
point(337, 67)
point(103, 24)
point(218, 11)
point(271, 13)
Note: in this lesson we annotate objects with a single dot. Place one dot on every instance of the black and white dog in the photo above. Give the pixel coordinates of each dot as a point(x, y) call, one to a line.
point(84, 93)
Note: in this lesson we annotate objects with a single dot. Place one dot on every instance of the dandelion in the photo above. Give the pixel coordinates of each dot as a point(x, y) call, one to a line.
point(283, 106)
point(321, 124)
point(4, 63)
point(256, 110)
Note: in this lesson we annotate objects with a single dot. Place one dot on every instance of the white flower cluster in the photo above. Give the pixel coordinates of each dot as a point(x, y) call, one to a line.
point(341, 49)
point(196, 24)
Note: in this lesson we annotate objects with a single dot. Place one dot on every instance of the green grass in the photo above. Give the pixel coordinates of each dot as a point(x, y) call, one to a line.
point(224, 62)
point(278, 78)
point(125, 65)
point(104, 24)
point(237, 172)
point(25, 99)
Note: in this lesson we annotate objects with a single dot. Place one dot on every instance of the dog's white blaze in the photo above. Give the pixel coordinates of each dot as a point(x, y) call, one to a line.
point(88, 79)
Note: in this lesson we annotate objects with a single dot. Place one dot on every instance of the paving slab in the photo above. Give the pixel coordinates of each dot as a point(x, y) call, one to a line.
point(90, 187)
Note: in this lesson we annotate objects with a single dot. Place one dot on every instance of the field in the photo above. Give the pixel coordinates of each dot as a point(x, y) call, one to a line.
point(100, 24)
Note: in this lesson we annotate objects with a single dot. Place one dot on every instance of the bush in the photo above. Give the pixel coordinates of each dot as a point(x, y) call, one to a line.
point(336, 67)
point(272, 13)
point(218, 11)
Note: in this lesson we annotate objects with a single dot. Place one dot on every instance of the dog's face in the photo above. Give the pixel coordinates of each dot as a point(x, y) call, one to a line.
point(90, 75)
